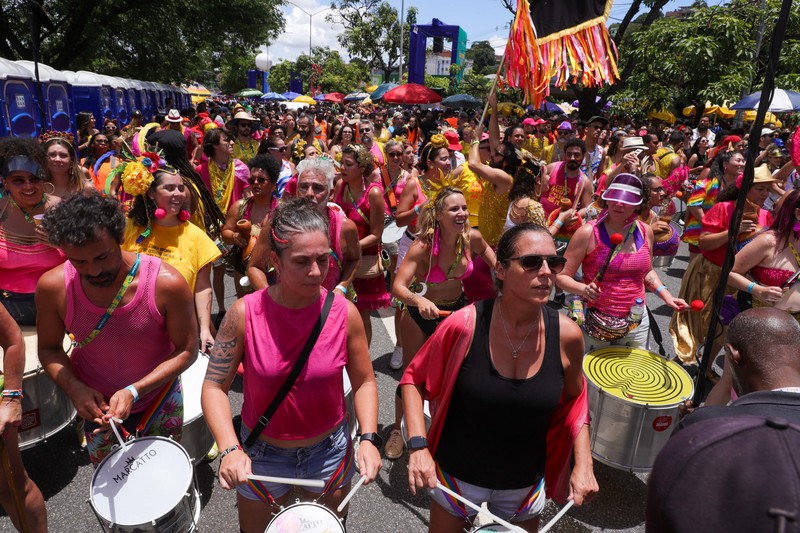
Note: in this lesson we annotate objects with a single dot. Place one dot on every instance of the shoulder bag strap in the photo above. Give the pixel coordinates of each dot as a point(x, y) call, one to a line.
point(298, 367)
point(656, 333)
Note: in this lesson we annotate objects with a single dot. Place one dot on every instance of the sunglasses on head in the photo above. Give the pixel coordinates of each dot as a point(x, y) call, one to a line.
point(533, 262)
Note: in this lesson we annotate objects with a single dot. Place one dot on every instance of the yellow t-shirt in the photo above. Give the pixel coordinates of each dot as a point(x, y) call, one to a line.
point(473, 191)
point(245, 151)
point(493, 212)
point(185, 247)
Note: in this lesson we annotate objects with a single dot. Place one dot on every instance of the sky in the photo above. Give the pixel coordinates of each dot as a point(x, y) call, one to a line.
point(482, 20)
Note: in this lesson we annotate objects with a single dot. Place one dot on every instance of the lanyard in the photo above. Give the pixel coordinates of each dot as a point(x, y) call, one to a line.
point(114, 303)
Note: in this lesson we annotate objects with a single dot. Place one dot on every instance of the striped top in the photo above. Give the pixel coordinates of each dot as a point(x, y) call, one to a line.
point(703, 195)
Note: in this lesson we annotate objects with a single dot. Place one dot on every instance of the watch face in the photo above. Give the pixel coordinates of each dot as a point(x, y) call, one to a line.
point(417, 443)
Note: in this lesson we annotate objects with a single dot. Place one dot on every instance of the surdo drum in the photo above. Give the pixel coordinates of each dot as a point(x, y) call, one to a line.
point(147, 486)
point(196, 438)
point(305, 517)
point(634, 400)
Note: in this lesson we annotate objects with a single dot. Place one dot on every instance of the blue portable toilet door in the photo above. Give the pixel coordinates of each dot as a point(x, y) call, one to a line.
point(131, 95)
point(106, 107)
point(58, 108)
point(122, 108)
point(20, 109)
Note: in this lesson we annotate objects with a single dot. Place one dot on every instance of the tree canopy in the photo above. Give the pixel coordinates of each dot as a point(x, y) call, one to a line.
point(164, 40)
point(483, 57)
point(336, 76)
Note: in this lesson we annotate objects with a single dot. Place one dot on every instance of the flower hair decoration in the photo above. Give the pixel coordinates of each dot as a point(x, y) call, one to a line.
point(299, 150)
point(50, 135)
point(438, 141)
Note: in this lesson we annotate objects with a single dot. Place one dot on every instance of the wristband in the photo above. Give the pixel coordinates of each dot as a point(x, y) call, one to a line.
point(229, 449)
point(476, 141)
point(661, 288)
point(416, 209)
point(750, 287)
point(133, 391)
point(559, 223)
point(341, 288)
point(12, 393)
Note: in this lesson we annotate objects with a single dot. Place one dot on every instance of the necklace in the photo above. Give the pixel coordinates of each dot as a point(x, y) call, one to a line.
point(515, 352)
point(28, 218)
point(752, 204)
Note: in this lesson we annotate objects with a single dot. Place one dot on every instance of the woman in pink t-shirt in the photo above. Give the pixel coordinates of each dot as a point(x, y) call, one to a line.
point(267, 331)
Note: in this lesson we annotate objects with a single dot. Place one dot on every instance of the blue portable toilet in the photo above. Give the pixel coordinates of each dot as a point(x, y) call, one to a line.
point(90, 92)
point(119, 99)
point(130, 96)
point(59, 115)
point(144, 101)
point(18, 114)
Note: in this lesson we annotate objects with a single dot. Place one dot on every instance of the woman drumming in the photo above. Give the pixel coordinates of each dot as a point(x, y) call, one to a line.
point(771, 258)
point(63, 170)
point(429, 281)
point(689, 330)
point(267, 330)
point(629, 274)
point(502, 362)
point(255, 209)
point(24, 252)
point(158, 225)
point(363, 204)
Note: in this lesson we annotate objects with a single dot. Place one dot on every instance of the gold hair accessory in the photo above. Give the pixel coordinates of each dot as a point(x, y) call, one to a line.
point(50, 135)
point(438, 141)
point(402, 139)
point(299, 151)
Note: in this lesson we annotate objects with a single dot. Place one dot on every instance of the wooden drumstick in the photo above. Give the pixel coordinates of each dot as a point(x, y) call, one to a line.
point(351, 494)
point(12, 485)
point(313, 483)
point(468, 503)
point(557, 517)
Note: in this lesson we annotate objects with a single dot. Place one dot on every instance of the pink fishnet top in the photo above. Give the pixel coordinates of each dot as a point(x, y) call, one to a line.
point(623, 281)
point(273, 338)
point(133, 342)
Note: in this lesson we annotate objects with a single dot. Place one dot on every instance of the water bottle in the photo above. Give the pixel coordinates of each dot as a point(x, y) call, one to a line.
point(576, 312)
point(637, 311)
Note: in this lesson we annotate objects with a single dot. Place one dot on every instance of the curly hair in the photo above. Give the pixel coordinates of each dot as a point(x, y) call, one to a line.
point(527, 180)
point(362, 156)
point(82, 218)
point(268, 164)
point(427, 223)
point(294, 216)
point(14, 146)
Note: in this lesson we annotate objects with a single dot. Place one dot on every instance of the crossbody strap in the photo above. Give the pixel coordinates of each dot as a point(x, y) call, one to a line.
point(263, 421)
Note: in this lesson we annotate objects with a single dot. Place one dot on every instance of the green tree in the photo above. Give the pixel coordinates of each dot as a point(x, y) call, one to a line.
point(279, 76)
point(166, 40)
point(337, 76)
point(483, 58)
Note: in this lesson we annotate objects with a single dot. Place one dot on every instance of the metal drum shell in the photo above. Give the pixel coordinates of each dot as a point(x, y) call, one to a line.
point(196, 437)
point(664, 252)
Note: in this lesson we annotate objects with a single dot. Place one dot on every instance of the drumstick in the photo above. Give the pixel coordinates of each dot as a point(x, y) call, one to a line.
point(557, 517)
point(313, 483)
point(351, 493)
point(12, 485)
point(445, 313)
point(468, 503)
point(122, 443)
point(616, 240)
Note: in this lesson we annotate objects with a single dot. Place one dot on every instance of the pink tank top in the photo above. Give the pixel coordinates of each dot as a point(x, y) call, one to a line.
point(21, 266)
point(623, 281)
point(133, 342)
point(335, 219)
point(273, 338)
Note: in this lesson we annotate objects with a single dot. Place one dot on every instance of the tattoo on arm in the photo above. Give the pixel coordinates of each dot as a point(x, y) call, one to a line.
point(651, 281)
point(221, 358)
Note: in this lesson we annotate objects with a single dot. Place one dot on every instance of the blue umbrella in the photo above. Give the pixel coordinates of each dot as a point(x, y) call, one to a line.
point(782, 101)
point(550, 107)
point(462, 100)
point(378, 93)
point(354, 97)
point(606, 107)
point(320, 97)
point(273, 97)
point(289, 95)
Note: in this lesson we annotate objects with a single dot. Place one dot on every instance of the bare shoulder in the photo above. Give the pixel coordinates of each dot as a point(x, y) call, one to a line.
point(52, 281)
point(171, 282)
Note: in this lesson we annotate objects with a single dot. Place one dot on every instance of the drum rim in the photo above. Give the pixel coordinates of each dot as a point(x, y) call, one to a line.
point(305, 504)
point(117, 449)
point(683, 375)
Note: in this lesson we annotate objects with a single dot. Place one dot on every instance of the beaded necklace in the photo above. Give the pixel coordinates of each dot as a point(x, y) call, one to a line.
point(28, 218)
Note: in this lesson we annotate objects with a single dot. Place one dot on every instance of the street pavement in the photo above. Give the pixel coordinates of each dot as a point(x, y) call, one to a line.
point(63, 473)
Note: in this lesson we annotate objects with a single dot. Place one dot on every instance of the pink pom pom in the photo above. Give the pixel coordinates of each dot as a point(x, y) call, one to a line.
point(739, 179)
point(160, 213)
point(184, 215)
point(697, 305)
point(616, 238)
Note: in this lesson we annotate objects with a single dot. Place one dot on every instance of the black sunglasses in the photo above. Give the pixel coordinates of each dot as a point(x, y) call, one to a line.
point(533, 262)
point(259, 180)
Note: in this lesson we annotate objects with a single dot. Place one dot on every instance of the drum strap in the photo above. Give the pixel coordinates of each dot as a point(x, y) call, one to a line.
point(450, 482)
point(388, 187)
point(263, 421)
point(530, 499)
point(656, 333)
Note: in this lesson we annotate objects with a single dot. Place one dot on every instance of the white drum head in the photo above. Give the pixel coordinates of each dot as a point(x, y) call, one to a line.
point(306, 517)
point(142, 484)
point(192, 382)
point(392, 233)
point(491, 528)
point(32, 348)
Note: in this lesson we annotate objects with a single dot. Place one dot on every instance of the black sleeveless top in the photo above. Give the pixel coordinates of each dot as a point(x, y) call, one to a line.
point(494, 433)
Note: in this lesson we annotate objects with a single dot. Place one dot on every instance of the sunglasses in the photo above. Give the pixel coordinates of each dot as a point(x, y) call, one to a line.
point(394, 154)
point(276, 149)
point(20, 182)
point(533, 262)
point(100, 141)
point(251, 181)
point(366, 130)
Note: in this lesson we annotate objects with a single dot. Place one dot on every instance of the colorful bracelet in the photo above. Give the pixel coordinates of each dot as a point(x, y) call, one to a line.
point(341, 288)
point(661, 288)
point(12, 393)
point(476, 141)
point(229, 449)
point(134, 392)
point(559, 223)
point(416, 208)
point(750, 287)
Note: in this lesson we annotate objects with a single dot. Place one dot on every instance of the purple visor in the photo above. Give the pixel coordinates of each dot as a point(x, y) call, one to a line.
point(624, 189)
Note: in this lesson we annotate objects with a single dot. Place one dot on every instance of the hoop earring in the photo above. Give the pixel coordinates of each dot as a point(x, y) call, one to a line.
point(52, 190)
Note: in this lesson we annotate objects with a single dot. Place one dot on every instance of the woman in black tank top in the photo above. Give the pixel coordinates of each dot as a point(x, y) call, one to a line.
point(495, 379)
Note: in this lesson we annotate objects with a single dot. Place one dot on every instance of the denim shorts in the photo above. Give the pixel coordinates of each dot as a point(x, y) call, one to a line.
point(507, 504)
point(319, 461)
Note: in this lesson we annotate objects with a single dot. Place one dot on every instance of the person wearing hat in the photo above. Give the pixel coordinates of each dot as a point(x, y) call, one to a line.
point(536, 141)
point(245, 147)
point(555, 151)
point(689, 330)
point(671, 163)
point(594, 151)
point(134, 125)
point(622, 156)
point(628, 276)
point(454, 147)
point(174, 121)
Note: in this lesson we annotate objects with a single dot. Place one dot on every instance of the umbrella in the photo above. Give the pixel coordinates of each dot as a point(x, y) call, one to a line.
point(371, 88)
point(354, 97)
point(319, 98)
point(550, 107)
point(380, 90)
point(606, 107)
point(750, 116)
point(663, 115)
point(249, 93)
point(271, 96)
point(411, 93)
point(462, 100)
point(303, 99)
point(782, 101)
point(289, 95)
point(336, 98)
point(509, 108)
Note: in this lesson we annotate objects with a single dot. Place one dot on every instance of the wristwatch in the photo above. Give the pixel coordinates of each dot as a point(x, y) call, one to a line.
point(417, 443)
point(374, 438)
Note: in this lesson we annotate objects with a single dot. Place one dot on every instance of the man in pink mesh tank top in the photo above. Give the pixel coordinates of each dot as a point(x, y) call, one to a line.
point(132, 319)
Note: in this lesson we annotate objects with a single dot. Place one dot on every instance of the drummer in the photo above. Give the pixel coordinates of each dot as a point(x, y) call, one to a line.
point(475, 370)
point(609, 319)
point(315, 183)
point(25, 493)
point(659, 209)
point(308, 434)
point(132, 317)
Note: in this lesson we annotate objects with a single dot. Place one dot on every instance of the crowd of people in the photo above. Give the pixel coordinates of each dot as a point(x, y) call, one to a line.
point(122, 239)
